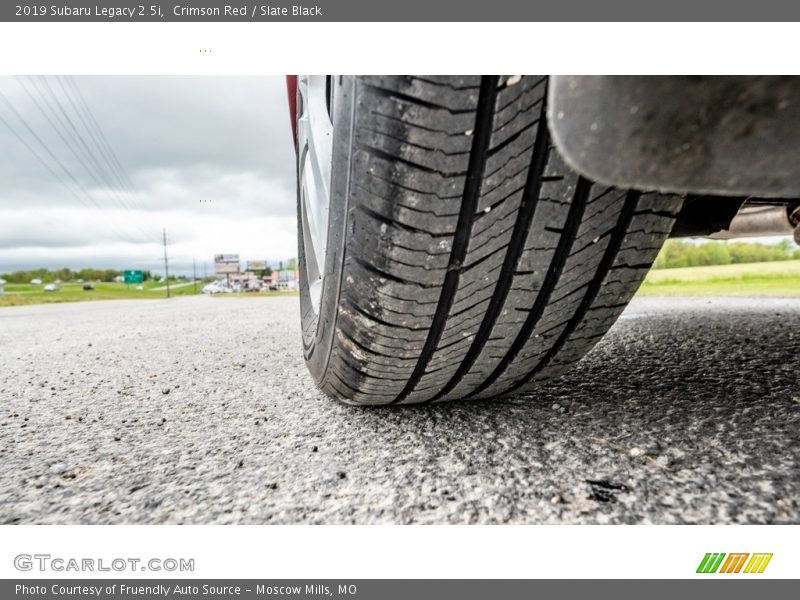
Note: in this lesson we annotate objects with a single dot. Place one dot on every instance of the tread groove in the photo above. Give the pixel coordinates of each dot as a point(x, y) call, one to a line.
point(516, 246)
point(390, 158)
point(403, 97)
point(484, 119)
point(571, 227)
point(606, 263)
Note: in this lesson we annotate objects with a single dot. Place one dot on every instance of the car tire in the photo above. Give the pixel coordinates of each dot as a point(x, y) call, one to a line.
point(463, 258)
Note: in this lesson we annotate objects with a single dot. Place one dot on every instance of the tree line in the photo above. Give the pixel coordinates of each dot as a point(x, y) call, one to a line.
point(680, 253)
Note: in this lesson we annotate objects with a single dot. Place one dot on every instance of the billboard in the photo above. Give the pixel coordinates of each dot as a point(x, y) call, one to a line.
point(226, 263)
point(257, 265)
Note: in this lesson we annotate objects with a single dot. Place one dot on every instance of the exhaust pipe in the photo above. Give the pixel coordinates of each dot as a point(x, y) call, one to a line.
point(755, 220)
point(795, 219)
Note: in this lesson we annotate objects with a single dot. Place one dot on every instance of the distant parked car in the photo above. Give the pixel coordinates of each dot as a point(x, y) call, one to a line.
point(88, 287)
point(36, 281)
point(51, 287)
point(215, 287)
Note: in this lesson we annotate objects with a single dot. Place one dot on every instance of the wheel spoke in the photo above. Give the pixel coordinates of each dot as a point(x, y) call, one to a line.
point(315, 143)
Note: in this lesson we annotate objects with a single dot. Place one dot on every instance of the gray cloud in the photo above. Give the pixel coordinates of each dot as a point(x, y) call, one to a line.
point(210, 158)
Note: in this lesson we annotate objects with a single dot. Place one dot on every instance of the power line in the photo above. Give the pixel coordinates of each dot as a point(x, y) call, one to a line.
point(105, 150)
point(100, 132)
point(41, 160)
point(77, 136)
point(58, 131)
point(45, 146)
point(68, 95)
point(84, 112)
point(101, 180)
point(81, 143)
point(53, 156)
point(108, 151)
point(50, 169)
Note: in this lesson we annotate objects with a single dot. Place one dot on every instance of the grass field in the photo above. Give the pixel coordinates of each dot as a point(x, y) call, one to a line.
point(780, 278)
point(19, 294)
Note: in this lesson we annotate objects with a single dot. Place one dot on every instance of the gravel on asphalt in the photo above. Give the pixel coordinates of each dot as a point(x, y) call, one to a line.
point(200, 410)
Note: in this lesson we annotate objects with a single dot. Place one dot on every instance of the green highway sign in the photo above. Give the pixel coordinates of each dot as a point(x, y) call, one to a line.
point(133, 276)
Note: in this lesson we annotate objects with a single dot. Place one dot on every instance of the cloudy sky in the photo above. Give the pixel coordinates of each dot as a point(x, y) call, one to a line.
point(208, 158)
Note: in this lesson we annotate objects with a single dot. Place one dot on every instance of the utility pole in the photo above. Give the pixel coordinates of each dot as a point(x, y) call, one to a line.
point(166, 261)
point(194, 274)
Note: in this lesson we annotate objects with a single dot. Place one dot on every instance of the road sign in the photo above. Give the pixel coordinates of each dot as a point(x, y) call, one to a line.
point(133, 276)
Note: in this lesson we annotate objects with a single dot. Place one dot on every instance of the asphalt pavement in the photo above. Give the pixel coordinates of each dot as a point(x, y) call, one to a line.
point(200, 410)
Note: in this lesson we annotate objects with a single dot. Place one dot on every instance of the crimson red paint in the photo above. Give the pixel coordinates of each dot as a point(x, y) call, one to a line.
point(291, 88)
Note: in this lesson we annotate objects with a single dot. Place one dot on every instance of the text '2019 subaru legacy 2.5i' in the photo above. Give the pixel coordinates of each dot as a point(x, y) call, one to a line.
point(466, 237)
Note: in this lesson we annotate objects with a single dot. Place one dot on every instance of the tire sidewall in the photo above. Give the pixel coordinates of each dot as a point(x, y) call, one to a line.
point(319, 329)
